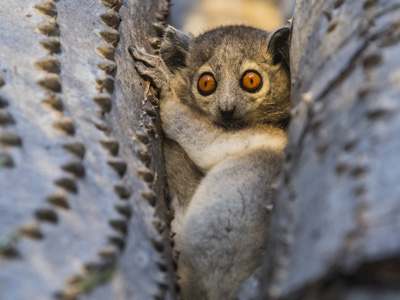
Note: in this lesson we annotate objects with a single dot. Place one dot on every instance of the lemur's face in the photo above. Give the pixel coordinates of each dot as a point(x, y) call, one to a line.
point(231, 76)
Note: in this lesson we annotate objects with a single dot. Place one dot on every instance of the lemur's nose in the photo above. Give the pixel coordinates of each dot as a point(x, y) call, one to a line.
point(227, 113)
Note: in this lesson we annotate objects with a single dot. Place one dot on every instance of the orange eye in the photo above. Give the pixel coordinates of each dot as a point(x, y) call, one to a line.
point(206, 84)
point(251, 81)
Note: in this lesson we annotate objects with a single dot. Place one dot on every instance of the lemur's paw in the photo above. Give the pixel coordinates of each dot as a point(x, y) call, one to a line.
point(150, 67)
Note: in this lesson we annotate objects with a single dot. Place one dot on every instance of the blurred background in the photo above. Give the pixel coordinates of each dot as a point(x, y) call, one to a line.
point(197, 16)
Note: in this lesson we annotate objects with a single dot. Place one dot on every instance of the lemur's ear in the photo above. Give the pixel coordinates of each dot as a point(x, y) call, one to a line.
point(279, 45)
point(174, 48)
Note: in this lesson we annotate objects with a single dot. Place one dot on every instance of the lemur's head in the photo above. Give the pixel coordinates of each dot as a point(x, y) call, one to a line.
point(234, 75)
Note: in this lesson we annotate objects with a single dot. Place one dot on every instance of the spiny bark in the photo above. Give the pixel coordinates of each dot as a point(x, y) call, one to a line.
point(334, 232)
point(81, 168)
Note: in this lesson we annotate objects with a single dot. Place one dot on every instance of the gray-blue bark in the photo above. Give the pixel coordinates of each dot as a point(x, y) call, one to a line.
point(335, 228)
point(81, 168)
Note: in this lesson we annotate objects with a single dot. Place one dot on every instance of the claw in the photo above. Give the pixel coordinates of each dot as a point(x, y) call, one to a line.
point(133, 52)
point(139, 55)
point(141, 68)
point(148, 75)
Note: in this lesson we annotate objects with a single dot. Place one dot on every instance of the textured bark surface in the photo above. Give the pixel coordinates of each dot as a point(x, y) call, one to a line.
point(81, 173)
point(335, 229)
point(81, 170)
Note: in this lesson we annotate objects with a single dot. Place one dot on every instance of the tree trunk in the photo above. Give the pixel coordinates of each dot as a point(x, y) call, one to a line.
point(335, 228)
point(81, 168)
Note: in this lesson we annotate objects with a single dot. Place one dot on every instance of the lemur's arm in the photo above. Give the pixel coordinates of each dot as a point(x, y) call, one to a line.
point(206, 144)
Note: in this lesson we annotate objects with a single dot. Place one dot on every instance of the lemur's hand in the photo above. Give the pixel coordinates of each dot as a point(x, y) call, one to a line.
point(153, 68)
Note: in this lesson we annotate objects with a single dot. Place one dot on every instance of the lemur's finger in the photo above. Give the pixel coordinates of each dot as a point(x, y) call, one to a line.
point(139, 55)
point(148, 73)
point(142, 69)
point(136, 54)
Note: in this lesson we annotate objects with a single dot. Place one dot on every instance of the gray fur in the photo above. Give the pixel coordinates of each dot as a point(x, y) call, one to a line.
point(183, 175)
point(220, 172)
point(224, 240)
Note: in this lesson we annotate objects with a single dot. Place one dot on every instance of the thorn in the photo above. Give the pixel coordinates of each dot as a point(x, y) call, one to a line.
point(48, 29)
point(111, 145)
point(47, 8)
point(106, 51)
point(58, 200)
point(159, 225)
point(143, 137)
point(104, 102)
point(111, 19)
point(144, 157)
point(372, 61)
point(106, 83)
point(377, 112)
point(162, 265)
point(52, 45)
point(150, 197)
point(54, 102)
point(114, 5)
point(65, 125)
point(118, 165)
point(69, 293)
point(75, 168)
point(332, 27)
point(9, 251)
point(153, 100)
point(109, 68)
point(359, 170)
point(101, 126)
point(158, 244)
point(360, 190)
point(122, 191)
point(117, 241)
point(48, 64)
point(6, 161)
point(68, 184)
point(31, 230)
point(3, 102)
point(328, 15)
point(76, 148)
point(51, 83)
point(150, 112)
point(111, 36)
point(338, 3)
point(119, 225)
point(145, 174)
point(124, 210)
point(109, 253)
point(10, 139)
point(46, 215)
point(93, 267)
point(6, 118)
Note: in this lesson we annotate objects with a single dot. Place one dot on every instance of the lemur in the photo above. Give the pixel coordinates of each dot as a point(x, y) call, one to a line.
point(224, 107)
